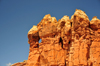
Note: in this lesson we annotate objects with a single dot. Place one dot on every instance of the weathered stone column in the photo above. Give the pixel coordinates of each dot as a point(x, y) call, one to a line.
point(52, 53)
point(79, 48)
point(95, 42)
point(34, 56)
point(64, 26)
point(48, 33)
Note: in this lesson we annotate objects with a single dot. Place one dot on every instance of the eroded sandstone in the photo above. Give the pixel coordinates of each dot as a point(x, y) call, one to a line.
point(66, 42)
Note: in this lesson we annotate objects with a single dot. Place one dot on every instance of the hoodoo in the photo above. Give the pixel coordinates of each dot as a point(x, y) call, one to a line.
point(66, 42)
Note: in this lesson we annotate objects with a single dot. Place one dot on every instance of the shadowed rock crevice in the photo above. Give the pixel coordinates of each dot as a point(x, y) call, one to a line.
point(61, 42)
point(62, 24)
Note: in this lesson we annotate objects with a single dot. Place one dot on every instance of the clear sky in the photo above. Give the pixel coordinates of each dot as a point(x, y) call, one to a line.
point(18, 16)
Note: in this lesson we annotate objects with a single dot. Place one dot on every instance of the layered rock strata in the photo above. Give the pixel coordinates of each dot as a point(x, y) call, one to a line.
point(66, 42)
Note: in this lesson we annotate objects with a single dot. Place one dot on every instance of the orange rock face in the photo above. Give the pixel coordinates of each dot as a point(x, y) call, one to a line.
point(66, 42)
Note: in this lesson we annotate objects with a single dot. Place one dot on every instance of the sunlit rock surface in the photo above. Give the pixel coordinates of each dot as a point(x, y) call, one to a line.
point(66, 42)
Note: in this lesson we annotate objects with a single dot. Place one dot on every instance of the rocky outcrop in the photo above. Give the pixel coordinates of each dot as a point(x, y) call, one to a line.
point(20, 63)
point(66, 42)
point(79, 48)
point(95, 42)
point(34, 53)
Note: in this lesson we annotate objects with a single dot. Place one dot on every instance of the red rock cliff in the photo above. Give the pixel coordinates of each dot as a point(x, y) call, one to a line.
point(66, 42)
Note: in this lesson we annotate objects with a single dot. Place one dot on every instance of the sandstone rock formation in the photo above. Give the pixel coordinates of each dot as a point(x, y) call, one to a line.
point(20, 63)
point(66, 42)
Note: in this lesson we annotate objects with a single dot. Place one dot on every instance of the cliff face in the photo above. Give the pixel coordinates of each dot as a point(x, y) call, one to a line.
point(66, 42)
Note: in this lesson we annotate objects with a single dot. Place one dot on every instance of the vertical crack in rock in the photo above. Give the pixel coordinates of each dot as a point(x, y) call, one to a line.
point(65, 63)
point(61, 42)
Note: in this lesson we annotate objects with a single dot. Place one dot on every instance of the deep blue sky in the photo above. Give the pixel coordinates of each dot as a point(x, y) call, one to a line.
point(18, 16)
